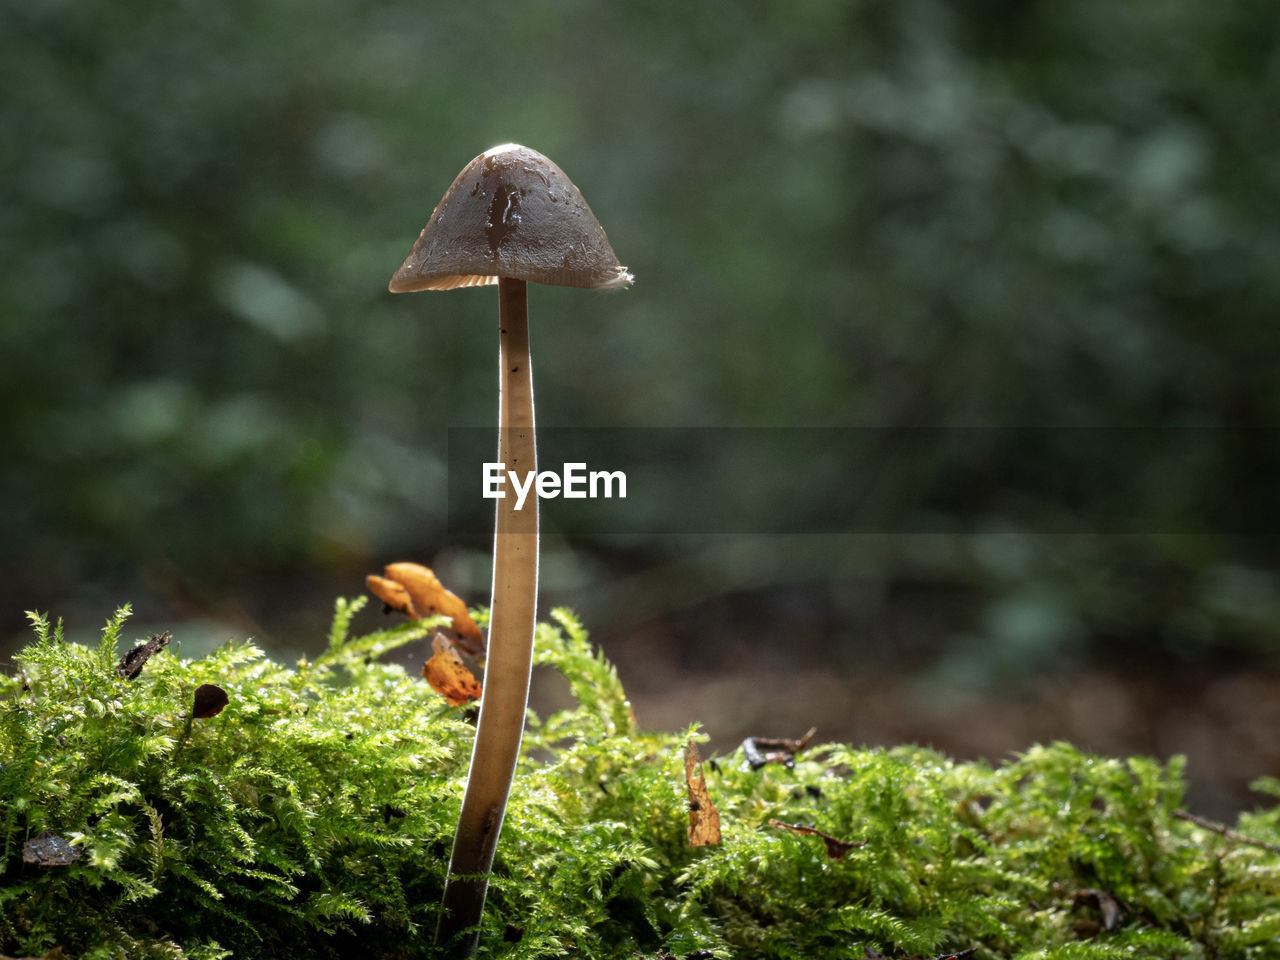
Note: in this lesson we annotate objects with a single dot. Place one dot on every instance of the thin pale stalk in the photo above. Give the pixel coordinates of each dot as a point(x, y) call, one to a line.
point(511, 623)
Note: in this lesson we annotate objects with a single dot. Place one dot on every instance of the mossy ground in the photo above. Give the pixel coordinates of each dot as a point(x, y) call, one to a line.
point(313, 816)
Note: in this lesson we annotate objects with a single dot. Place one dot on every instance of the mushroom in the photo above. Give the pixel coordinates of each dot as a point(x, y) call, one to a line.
point(510, 217)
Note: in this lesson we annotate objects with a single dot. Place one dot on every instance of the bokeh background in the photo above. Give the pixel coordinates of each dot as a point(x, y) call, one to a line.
point(880, 213)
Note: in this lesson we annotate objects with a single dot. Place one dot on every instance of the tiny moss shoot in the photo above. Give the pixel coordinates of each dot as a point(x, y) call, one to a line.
point(312, 817)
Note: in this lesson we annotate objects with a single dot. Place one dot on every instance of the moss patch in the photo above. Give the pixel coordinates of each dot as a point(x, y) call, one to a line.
point(312, 818)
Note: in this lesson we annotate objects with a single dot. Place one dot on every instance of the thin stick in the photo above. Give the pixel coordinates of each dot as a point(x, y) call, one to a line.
point(1225, 831)
point(510, 654)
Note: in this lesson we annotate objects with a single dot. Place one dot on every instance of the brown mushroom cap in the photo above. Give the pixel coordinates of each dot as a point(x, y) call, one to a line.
point(511, 212)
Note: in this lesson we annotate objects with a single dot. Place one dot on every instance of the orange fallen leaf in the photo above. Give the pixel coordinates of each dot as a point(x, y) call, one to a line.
point(394, 595)
point(704, 818)
point(415, 591)
point(836, 848)
point(448, 675)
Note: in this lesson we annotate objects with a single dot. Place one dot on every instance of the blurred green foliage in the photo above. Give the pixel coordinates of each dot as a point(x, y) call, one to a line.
point(872, 213)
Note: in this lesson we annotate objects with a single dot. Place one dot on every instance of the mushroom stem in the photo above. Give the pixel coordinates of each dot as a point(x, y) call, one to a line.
point(511, 623)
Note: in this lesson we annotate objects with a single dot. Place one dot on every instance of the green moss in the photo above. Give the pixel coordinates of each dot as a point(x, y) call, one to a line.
point(312, 818)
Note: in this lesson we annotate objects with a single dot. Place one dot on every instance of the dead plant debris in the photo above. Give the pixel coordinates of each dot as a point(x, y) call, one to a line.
point(1110, 911)
point(704, 818)
point(448, 675)
point(208, 701)
point(760, 751)
point(836, 848)
point(49, 850)
point(131, 663)
point(415, 591)
point(1224, 831)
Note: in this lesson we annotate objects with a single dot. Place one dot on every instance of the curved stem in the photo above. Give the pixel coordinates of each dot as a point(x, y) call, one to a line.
point(511, 623)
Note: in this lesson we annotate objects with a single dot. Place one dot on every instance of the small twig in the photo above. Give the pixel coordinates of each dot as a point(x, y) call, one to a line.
point(1225, 831)
point(836, 848)
point(781, 749)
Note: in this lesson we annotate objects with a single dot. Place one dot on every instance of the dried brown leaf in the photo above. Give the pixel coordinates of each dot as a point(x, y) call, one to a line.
point(415, 591)
point(208, 701)
point(392, 594)
point(704, 818)
point(448, 675)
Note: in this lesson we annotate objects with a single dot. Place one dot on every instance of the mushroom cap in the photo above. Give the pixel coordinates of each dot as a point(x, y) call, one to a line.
point(513, 213)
